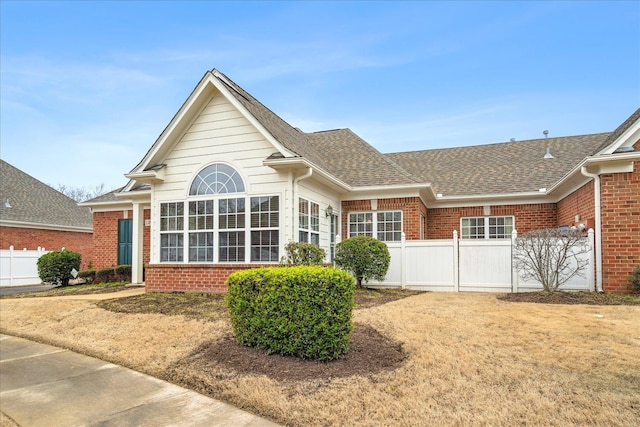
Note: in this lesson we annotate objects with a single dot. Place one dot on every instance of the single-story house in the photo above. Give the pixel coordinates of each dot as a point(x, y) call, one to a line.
point(32, 215)
point(228, 183)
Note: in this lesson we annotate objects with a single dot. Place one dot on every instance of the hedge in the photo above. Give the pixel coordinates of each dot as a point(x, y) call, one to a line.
point(57, 266)
point(303, 311)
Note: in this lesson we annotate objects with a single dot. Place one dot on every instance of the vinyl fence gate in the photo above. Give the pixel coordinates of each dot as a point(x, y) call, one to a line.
point(475, 265)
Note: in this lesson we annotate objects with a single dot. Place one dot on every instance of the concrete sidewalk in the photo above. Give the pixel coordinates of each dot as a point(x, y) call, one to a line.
point(42, 385)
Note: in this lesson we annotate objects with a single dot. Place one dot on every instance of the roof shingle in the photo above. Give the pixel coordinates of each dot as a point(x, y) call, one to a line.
point(35, 202)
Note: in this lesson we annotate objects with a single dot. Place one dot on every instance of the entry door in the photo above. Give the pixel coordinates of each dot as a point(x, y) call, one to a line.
point(125, 238)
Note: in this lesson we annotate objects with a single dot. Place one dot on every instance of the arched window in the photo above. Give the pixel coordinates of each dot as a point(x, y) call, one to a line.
point(217, 178)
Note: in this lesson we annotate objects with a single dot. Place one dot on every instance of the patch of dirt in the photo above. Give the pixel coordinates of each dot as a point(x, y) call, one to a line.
point(366, 297)
point(590, 298)
point(369, 353)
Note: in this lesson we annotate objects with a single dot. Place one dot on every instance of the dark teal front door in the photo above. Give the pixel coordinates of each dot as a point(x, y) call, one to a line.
point(125, 237)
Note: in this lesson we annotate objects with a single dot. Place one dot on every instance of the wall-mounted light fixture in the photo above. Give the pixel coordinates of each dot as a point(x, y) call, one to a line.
point(329, 210)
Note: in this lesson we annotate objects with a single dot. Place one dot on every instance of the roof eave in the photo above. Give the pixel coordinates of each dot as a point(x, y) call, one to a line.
point(56, 227)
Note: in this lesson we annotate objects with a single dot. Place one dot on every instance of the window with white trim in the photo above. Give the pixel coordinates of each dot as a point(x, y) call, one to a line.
point(216, 229)
point(171, 232)
point(487, 227)
point(308, 221)
point(384, 225)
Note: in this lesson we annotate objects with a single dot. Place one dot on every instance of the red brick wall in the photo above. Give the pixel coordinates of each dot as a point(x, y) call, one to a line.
point(412, 211)
point(442, 221)
point(620, 210)
point(580, 202)
point(51, 240)
point(191, 277)
point(105, 238)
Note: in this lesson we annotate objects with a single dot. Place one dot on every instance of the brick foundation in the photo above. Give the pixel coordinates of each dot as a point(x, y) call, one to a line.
point(192, 277)
point(51, 240)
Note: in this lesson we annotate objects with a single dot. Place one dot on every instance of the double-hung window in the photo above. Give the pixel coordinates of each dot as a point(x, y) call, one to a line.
point(213, 222)
point(384, 225)
point(308, 221)
point(487, 227)
point(171, 232)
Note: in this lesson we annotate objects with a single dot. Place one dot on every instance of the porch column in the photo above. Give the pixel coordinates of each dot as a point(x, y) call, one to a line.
point(137, 243)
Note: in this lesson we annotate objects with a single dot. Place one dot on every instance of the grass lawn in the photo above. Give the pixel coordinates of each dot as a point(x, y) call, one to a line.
point(415, 359)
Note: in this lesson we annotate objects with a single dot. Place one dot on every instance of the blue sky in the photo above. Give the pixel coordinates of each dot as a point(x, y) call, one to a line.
point(87, 87)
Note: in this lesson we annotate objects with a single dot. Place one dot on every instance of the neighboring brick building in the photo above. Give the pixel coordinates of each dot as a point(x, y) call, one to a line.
point(33, 215)
point(228, 183)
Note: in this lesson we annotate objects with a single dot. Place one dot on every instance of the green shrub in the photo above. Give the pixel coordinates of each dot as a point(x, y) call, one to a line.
point(105, 275)
point(635, 280)
point(364, 257)
point(56, 266)
point(88, 275)
point(299, 311)
point(301, 253)
point(123, 272)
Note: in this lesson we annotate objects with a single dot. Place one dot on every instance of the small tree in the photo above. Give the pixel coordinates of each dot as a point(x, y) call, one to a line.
point(364, 257)
point(56, 266)
point(551, 256)
point(301, 253)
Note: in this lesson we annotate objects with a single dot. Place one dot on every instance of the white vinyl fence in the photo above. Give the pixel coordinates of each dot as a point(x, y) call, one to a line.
point(467, 265)
point(19, 268)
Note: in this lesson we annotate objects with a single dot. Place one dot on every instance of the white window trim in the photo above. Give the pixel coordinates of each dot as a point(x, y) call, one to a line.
point(185, 231)
point(309, 230)
point(487, 227)
point(374, 219)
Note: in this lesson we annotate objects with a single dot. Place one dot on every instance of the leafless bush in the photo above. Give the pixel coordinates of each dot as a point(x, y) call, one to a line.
point(552, 257)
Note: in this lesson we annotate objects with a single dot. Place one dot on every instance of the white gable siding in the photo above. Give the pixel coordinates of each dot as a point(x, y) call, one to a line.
point(220, 133)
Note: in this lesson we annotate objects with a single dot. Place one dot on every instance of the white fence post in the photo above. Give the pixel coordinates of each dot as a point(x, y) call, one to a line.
point(11, 264)
point(515, 278)
point(403, 260)
point(456, 262)
point(592, 260)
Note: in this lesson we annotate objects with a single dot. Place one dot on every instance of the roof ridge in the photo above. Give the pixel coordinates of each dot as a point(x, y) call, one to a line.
point(500, 143)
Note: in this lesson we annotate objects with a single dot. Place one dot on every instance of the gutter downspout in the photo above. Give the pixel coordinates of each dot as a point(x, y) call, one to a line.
point(294, 204)
point(596, 190)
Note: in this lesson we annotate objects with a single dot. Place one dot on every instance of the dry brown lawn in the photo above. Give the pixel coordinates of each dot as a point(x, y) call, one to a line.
point(471, 359)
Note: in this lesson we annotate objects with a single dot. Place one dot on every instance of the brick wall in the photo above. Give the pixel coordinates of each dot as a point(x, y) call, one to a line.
point(442, 221)
point(51, 240)
point(191, 277)
point(413, 211)
point(105, 237)
point(580, 202)
point(620, 210)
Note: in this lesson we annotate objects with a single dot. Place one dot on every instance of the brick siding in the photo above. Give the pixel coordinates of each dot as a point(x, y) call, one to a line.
point(442, 221)
point(620, 210)
point(580, 202)
point(51, 240)
point(105, 238)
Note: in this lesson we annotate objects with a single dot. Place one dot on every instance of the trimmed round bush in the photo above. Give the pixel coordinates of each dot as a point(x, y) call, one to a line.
point(302, 253)
point(298, 311)
point(56, 266)
point(364, 257)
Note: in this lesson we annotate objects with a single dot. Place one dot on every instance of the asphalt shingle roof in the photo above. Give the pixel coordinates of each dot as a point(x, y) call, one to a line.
point(35, 202)
point(619, 130)
point(510, 167)
point(340, 152)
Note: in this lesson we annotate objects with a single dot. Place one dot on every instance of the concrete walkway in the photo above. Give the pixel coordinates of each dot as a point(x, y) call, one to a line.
point(42, 385)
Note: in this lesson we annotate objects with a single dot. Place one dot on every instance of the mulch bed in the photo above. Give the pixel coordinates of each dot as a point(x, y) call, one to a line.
point(369, 353)
point(590, 298)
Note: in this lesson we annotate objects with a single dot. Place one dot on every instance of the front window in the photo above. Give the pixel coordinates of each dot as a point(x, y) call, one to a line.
point(384, 225)
point(216, 229)
point(308, 222)
point(490, 227)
